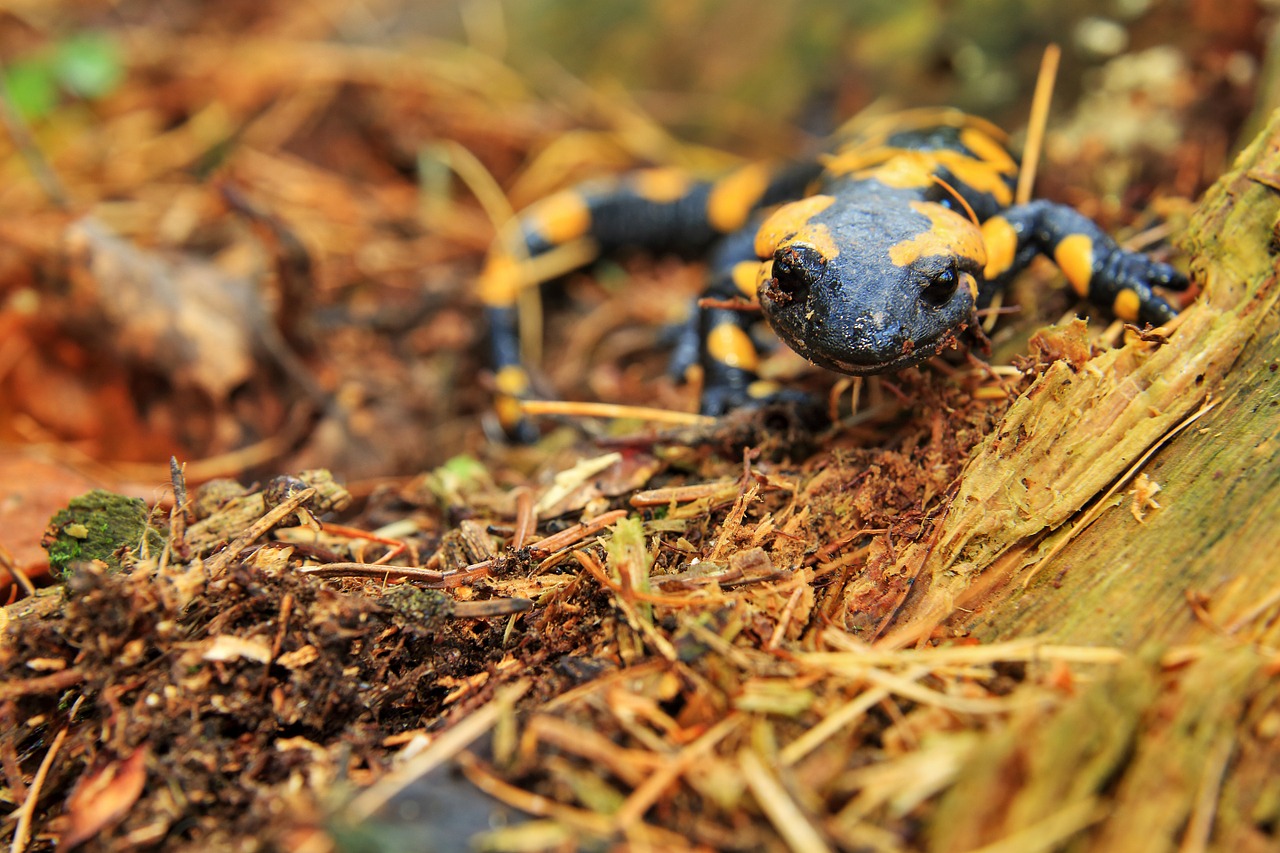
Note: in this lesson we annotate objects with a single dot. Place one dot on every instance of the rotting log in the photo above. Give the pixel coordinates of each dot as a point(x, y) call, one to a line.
point(1016, 520)
point(1151, 757)
point(1179, 749)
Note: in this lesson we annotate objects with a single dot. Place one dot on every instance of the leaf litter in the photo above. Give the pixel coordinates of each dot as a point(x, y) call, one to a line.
point(664, 637)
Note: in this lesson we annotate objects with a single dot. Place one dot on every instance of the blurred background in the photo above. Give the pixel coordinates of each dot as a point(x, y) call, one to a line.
point(244, 233)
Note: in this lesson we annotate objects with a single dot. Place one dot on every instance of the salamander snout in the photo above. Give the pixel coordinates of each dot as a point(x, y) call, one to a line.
point(857, 313)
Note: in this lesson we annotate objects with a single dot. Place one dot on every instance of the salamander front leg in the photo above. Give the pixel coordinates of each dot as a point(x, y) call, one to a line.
point(729, 358)
point(1097, 268)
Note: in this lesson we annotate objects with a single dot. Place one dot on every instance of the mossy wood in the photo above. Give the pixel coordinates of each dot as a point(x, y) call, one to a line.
point(1080, 429)
point(1177, 749)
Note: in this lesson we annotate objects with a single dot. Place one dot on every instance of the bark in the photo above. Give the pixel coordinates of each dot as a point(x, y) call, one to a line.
point(1180, 748)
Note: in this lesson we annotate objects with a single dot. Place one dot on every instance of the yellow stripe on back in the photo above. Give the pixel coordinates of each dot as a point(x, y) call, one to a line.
point(787, 220)
point(911, 169)
point(949, 234)
point(881, 127)
point(734, 196)
point(560, 218)
point(989, 150)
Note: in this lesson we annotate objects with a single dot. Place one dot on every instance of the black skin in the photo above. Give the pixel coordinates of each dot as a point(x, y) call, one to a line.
point(858, 313)
point(846, 302)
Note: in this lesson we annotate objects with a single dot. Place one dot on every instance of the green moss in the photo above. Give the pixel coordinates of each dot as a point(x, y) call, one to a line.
point(100, 525)
point(420, 605)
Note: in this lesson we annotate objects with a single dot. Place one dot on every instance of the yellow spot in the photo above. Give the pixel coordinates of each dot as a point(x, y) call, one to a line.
point(508, 411)
point(1126, 305)
point(730, 345)
point(500, 281)
point(866, 126)
point(989, 150)
point(787, 220)
point(1001, 241)
point(660, 185)
point(817, 237)
point(561, 217)
point(763, 275)
point(512, 380)
point(909, 169)
point(762, 388)
point(1074, 255)
point(949, 235)
point(971, 283)
point(734, 196)
point(745, 276)
point(978, 174)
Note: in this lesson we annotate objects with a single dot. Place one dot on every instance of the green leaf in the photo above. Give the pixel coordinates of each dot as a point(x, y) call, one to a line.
point(465, 468)
point(89, 65)
point(31, 88)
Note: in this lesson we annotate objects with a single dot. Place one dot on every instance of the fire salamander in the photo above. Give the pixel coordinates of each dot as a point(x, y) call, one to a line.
point(869, 259)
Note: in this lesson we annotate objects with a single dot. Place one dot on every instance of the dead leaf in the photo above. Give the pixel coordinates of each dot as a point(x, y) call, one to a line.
point(1144, 493)
point(1067, 342)
point(103, 797)
point(227, 647)
point(299, 658)
point(181, 316)
point(608, 475)
point(47, 664)
point(33, 490)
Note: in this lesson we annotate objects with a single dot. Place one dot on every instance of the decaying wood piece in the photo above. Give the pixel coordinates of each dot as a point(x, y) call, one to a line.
point(1175, 750)
point(1158, 755)
point(1083, 424)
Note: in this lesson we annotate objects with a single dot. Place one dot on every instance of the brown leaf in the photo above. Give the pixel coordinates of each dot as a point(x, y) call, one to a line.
point(608, 475)
point(103, 797)
point(181, 316)
point(31, 490)
point(227, 647)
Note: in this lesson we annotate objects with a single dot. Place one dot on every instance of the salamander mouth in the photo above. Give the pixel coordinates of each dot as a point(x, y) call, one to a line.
point(856, 363)
point(851, 348)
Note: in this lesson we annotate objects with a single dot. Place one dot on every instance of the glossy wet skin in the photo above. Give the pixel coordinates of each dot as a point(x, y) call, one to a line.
point(872, 285)
point(870, 261)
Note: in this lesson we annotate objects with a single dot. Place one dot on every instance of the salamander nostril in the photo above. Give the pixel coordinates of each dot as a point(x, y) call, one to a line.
point(793, 274)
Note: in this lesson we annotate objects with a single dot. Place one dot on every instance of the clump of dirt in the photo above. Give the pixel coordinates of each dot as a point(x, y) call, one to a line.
point(236, 695)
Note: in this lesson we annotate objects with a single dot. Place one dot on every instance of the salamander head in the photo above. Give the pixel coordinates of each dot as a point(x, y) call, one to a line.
point(869, 287)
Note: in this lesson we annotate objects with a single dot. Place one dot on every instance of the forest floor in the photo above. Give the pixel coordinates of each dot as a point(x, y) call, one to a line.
point(348, 619)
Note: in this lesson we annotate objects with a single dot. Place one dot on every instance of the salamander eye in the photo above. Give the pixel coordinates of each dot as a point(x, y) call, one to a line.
point(941, 285)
